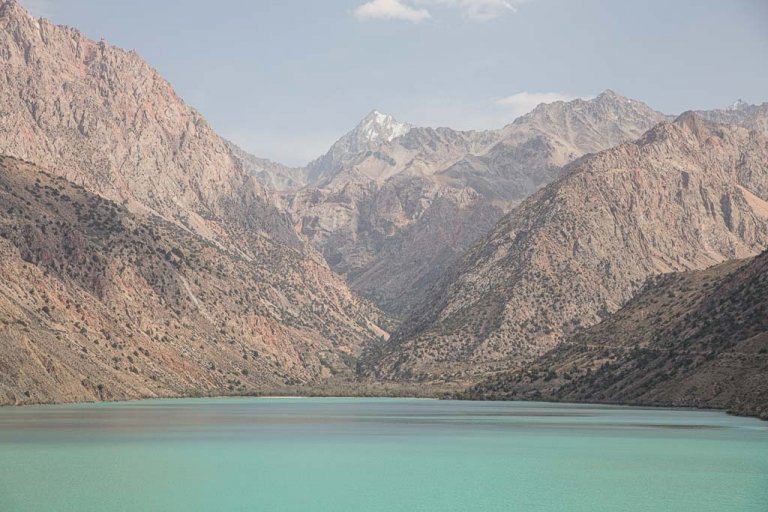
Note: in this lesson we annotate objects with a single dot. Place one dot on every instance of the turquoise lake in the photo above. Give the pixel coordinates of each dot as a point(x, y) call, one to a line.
point(366, 455)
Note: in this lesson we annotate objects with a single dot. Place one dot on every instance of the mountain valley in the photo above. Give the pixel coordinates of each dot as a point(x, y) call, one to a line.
point(207, 257)
point(589, 250)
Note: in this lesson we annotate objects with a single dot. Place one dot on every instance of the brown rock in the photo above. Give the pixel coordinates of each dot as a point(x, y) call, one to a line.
point(687, 195)
point(97, 303)
point(694, 339)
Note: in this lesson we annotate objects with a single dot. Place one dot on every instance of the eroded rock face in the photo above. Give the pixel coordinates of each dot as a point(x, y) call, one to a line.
point(392, 206)
point(687, 195)
point(101, 118)
point(694, 339)
point(98, 303)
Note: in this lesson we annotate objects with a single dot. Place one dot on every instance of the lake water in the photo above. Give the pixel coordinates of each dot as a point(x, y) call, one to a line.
point(366, 455)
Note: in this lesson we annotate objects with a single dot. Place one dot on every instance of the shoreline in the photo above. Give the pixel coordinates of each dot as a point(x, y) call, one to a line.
point(729, 412)
point(446, 396)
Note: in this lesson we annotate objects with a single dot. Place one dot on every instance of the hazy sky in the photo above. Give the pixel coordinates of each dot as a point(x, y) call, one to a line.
point(285, 78)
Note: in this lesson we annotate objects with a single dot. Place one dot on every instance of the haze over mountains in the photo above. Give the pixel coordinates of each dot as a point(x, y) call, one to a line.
point(144, 255)
point(391, 206)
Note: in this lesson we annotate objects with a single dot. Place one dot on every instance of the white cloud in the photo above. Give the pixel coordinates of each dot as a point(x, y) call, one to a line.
point(390, 10)
point(418, 10)
point(523, 102)
point(480, 10)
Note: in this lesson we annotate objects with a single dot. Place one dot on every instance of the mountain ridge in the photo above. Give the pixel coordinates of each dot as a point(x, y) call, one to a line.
point(686, 195)
point(100, 118)
point(393, 219)
point(696, 339)
point(144, 255)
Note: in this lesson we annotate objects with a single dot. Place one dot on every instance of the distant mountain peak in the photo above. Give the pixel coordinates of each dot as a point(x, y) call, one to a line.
point(373, 131)
point(378, 127)
point(611, 96)
point(606, 99)
point(377, 115)
point(752, 117)
point(609, 93)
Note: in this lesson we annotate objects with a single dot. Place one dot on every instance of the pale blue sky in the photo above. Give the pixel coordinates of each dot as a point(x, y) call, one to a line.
point(285, 78)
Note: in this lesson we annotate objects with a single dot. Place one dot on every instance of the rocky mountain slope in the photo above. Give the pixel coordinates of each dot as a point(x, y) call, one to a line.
point(101, 118)
point(687, 195)
point(697, 338)
point(391, 206)
point(97, 302)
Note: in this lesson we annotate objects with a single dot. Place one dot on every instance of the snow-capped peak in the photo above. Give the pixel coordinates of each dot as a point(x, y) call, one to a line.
point(378, 128)
point(375, 130)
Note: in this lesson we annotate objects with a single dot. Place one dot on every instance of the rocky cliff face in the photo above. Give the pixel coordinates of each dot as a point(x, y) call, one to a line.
point(97, 302)
point(696, 339)
point(393, 205)
point(687, 195)
point(101, 118)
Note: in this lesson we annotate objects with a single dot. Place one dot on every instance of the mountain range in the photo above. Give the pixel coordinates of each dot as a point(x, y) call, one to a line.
point(145, 255)
point(391, 206)
point(687, 195)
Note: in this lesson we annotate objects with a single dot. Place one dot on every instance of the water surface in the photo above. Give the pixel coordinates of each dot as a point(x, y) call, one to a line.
point(376, 455)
